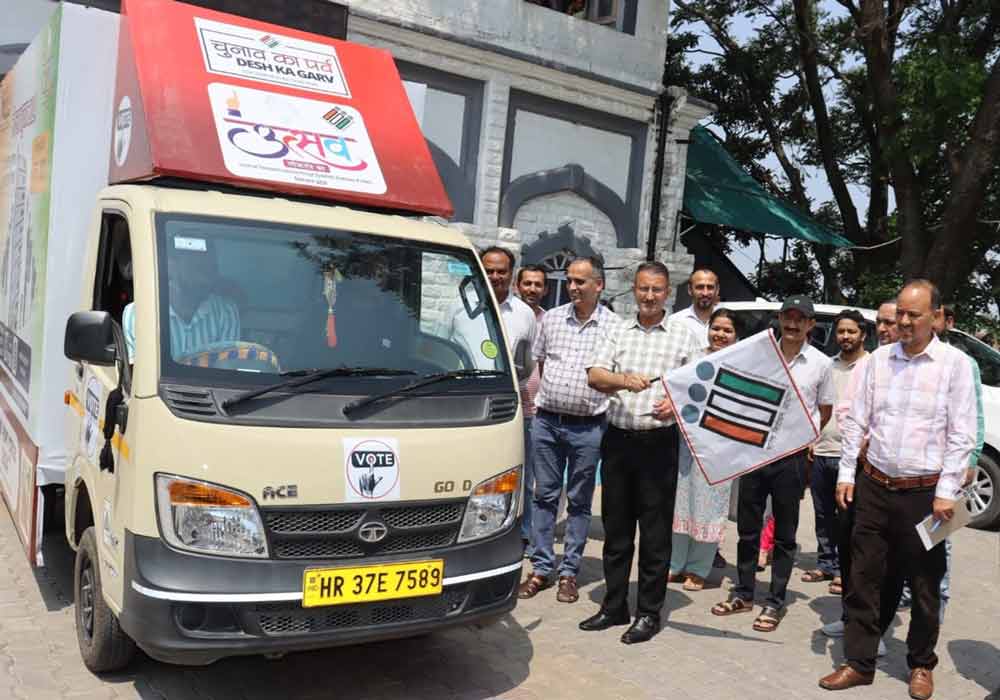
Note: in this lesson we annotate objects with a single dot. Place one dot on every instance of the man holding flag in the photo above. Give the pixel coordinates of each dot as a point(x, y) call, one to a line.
point(781, 479)
point(639, 453)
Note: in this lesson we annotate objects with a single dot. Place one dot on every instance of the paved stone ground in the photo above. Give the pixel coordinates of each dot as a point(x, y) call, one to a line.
point(535, 653)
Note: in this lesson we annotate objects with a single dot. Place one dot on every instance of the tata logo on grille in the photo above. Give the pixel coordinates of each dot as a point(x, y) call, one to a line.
point(373, 532)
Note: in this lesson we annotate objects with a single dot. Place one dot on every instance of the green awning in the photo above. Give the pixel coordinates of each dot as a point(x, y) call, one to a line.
point(717, 190)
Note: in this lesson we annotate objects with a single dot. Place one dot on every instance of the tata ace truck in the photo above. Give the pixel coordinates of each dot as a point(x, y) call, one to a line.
point(227, 335)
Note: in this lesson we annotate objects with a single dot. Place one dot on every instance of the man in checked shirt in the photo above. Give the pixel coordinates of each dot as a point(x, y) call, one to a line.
point(917, 404)
point(568, 426)
point(639, 453)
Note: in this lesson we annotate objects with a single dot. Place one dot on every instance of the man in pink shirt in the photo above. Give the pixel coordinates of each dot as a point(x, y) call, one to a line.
point(917, 405)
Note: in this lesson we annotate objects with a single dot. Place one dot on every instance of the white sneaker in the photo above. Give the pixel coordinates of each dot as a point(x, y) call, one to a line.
point(882, 651)
point(833, 629)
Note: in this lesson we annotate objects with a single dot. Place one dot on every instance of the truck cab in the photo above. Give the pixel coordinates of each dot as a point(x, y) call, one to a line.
point(293, 425)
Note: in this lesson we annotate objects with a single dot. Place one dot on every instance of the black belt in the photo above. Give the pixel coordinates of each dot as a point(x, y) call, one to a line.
point(648, 434)
point(568, 418)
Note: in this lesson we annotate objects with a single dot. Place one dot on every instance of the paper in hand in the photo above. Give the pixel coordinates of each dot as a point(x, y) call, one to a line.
point(932, 532)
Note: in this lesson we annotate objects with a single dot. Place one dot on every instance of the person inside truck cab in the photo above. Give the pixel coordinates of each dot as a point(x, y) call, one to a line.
point(202, 315)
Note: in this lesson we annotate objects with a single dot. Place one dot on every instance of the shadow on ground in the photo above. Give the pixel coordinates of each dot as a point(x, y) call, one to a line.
point(466, 662)
point(979, 662)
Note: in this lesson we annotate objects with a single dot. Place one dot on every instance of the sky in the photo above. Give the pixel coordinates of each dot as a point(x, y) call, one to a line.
point(21, 22)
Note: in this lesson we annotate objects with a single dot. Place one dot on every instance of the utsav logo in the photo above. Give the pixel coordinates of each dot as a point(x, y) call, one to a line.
point(266, 135)
point(371, 469)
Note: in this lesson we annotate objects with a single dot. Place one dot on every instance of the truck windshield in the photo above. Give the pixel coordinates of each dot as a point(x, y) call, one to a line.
point(247, 300)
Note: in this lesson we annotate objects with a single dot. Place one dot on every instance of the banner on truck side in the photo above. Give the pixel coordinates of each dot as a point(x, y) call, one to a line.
point(739, 409)
point(49, 177)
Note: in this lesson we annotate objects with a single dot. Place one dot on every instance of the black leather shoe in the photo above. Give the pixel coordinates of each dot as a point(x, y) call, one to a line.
point(603, 620)
point(643, 629)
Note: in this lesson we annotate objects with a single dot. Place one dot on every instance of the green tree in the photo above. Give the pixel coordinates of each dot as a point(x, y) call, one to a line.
point(880, 96)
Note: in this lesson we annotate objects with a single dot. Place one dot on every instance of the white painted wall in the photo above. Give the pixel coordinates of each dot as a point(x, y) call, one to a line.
point(521, 27)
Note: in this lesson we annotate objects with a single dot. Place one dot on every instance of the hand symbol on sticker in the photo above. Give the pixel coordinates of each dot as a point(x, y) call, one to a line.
point(368, 482)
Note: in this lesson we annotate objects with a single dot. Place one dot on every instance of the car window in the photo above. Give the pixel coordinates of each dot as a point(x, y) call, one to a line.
point(986, 357)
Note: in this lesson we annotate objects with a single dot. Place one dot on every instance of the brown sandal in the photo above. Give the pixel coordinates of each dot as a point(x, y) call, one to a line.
point(533, 585)
point(568, 592)
point(815, 576)
point(732, 606)
point(837, 586)
point(694, 583)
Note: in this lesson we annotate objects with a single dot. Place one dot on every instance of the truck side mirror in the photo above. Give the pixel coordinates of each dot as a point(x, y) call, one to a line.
point(90, 337)
point(524, 363)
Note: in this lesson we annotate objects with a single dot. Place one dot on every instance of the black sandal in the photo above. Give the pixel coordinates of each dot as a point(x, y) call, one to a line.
point(768, 620)
point(732, 606)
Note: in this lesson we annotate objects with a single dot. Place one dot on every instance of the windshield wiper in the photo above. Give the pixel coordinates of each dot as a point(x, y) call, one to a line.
point(425, 381)
point(307, 376)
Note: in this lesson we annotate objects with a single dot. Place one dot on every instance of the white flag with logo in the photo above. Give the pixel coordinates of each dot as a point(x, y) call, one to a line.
point(738, 408)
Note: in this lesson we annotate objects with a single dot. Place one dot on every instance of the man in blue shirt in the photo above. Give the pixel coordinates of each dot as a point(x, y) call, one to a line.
point(198, 316)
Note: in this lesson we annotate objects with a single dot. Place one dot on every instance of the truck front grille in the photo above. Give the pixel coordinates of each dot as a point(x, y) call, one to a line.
point(278, 619)
point(333, 532)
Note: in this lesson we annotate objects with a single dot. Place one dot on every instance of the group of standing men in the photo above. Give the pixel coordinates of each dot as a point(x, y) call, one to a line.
point(904, 434)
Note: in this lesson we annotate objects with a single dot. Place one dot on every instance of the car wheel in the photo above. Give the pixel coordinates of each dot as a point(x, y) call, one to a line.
point(104, 646)
point(984, 500)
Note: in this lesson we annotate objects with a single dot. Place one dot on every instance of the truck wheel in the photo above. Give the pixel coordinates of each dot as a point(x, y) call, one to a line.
point(104, 646)
point(984, 493)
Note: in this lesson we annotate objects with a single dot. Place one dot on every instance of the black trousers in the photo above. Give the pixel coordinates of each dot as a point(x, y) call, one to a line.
point(845, 532)
point(892, 588)
point(783, 482)
point(886, 550)
point(639, 484)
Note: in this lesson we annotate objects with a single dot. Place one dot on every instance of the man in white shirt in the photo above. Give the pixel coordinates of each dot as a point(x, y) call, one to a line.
point(703, 287)
point(917, 404)
point(781, 480)
point(518, 318)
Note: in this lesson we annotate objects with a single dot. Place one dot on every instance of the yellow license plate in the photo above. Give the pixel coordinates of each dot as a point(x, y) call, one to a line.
point(364, 584)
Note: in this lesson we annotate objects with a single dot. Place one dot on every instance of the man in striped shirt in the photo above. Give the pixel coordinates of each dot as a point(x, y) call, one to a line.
point(198, 317)
point(917, 404)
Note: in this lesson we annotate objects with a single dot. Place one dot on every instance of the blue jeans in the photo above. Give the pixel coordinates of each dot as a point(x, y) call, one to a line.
point(577, 449)
point(529, 484)
point(823, 485)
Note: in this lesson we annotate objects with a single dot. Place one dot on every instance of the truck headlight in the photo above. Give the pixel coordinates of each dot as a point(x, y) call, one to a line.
point(492, 506)
point(202, 517)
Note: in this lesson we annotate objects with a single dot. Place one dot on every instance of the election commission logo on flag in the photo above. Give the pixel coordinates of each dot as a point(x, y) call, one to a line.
point(739, 409)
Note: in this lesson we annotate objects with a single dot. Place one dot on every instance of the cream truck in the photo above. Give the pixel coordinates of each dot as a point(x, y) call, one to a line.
point(274, 439)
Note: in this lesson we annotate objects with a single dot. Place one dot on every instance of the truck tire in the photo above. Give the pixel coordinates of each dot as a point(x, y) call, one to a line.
point(104, 646)
point(984, 493)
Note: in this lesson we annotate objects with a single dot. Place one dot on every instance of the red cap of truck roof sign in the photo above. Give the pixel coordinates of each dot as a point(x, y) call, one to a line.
point(203, 95)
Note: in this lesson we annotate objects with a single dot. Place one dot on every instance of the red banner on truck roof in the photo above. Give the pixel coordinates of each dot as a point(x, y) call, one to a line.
point(204, 95)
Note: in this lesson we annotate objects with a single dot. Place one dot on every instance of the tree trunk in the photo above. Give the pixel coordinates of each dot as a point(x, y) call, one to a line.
point(877, 40)
point(968, 188)
point(805, 22)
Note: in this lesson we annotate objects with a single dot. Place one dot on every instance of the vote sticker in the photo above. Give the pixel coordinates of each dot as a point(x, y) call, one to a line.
point(489, 349)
